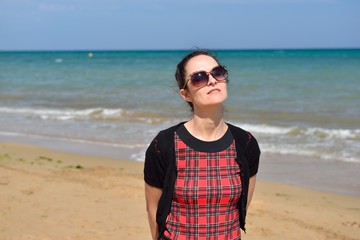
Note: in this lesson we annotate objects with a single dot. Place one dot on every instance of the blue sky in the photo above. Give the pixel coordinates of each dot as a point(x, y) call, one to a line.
point(178, 24)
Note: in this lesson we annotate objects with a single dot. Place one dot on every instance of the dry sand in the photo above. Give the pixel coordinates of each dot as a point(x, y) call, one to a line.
point(45, 194)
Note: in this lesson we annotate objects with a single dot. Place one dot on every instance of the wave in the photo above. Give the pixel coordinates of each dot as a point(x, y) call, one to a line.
point(324, 143)
point(327, 144)
point(122, 115)
point(347, 155)
point(294, 131)
point(113, 114)
point(86, 114)
point(118, 114)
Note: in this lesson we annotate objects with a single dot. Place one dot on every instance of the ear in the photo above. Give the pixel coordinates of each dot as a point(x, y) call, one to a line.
point(185, 95)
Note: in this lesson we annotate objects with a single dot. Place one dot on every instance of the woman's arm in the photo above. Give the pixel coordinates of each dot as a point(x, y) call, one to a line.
point(252, 182)
point(152, 196)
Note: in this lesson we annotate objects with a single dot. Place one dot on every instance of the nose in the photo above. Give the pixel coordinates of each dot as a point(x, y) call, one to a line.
point(212, 81)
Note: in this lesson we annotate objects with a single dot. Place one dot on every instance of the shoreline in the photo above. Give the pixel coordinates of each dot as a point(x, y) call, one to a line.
point(309, 172)
point(49, 194)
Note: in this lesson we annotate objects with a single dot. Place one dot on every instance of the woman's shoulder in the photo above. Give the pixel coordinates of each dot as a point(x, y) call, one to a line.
point(238, 131)
point(165, 137)
point(241, 135)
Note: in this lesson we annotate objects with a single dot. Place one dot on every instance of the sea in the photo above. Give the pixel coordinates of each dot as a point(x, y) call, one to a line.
point(303, 106)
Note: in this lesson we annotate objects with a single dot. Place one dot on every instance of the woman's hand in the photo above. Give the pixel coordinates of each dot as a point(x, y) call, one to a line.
point(152, 196)
point(252, 182)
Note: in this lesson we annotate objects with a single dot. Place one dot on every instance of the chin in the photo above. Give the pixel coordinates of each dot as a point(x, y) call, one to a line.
point(213, 104)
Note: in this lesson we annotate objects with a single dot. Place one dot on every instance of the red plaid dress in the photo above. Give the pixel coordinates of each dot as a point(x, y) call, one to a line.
point(206, 192)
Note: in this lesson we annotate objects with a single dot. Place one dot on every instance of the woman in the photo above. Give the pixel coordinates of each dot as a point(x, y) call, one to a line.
point(200, 175)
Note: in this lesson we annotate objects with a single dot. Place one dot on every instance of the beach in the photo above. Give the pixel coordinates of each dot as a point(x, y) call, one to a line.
point(50, 194)
point(74, 131)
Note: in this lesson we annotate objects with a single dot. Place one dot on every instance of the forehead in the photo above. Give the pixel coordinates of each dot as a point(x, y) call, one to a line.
point(200, 62)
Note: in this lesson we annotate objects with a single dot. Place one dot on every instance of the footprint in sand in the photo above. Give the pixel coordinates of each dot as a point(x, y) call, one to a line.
point(4, 181)
point(353, 224)
point(29, 191)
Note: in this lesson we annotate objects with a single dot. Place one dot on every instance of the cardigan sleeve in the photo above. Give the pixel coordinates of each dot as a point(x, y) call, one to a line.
point(154, 167)
point(253, 155)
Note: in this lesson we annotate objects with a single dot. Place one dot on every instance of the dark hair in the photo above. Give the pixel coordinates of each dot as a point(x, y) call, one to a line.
point(180, 74)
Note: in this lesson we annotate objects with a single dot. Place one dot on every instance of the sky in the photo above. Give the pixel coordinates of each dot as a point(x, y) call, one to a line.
point(178, 24)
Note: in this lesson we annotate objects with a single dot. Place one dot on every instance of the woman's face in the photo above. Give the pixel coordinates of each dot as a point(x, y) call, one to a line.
point(213, 94)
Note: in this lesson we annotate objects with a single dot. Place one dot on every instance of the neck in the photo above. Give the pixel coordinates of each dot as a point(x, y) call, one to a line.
point(207, 125)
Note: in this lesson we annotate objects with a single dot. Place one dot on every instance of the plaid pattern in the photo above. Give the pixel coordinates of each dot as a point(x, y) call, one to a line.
point(206, 192)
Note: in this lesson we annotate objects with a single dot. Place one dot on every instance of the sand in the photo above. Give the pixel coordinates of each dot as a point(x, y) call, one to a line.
point(46, 194)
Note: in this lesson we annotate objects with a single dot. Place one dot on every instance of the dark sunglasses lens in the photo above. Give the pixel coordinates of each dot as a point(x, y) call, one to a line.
point(220, 73)
point(199, 79)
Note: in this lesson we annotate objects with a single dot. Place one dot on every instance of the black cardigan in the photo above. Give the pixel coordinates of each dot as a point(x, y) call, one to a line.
point(160, 169)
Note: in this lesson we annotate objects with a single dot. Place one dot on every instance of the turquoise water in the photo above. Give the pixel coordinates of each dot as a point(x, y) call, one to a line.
point(299, 102)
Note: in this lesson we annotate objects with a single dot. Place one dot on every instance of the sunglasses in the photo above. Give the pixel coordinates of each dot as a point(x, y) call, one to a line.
point(201, 78)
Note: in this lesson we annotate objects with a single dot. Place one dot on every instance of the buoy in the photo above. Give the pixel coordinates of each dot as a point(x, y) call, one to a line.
point(90, 55)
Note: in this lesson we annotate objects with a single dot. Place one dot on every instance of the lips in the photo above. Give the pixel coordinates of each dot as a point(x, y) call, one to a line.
point(214, 90)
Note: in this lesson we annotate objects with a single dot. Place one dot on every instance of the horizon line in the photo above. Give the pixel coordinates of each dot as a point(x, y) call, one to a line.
point(179, 49)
